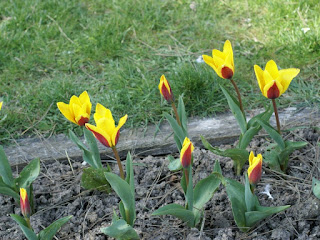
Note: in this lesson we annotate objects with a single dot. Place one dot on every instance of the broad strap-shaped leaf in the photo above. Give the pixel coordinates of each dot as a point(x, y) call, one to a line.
point(30, 235)
point(178, 142)
point(177, 211)
point(273, 133)
point(183, 116)
point(264, 116)
point(92, 142)
point(235, 192)
point(248, 135)
point(254, 217)
point(5, 169)
point(290, 148)
point(177, 130)
point(175, 164)
point(49, 232)
point(93, 178)
point(316, 187)
point(250, 199)
point(120, 230)
point(28, 174)
point(189, 195)
point(123, 190)
point(272, 159)
point(236, 111)
point(129, 172)
point(6, 190)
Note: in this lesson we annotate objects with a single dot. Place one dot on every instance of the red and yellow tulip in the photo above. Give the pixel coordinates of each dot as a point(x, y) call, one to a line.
point(255, 168)
point(24, 203)
point(186, 152)
point(165, 89)
point(221, 62)
point(105, 130)
point(78, 110)
point(273, 82)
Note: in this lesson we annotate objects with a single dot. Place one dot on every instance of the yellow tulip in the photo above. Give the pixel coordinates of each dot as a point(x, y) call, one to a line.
point(221, 62)
point(78, 110)
point(255, 168)
point(1, 105)
point(165, 89)
point(186, 152)
point(273, 82)
point(106, 131)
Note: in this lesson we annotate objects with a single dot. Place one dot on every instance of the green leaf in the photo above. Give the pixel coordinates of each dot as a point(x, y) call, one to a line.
point(178, 132)
point(236, 111)
point(235, 192)
point(316, 187)
point(92, 142)
point(177, 211)
point(290, 148)
point(264, 116)
point(271, 158)
point(49, 232)
point(189, 194)
point(130, 175)
point(183, 115)
point(93, 178)
point(262, 212)
point(28, 174)
point(120, 230)
point(178, 142)
point(248, 135)
point(30, 235)
point(175, 164)
point(217, 167)
point(6, 190)
point(5, 169)
point(273, 133)
point(250, 199)
point(123, 190)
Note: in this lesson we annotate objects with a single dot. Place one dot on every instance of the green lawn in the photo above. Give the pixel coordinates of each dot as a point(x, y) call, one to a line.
point(117, 51)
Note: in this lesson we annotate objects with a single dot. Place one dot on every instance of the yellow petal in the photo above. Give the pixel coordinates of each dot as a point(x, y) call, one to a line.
point(85, 101)
point(272, 69)
point(251, 156)
point(100, 134)
point(227, 48)
point(65, 110)
point(102, 112)
point(122, 121)
point(74, 100)
point(166, 84)
point(211, 62)
point(1, 105)
point(229, 62)
point(259, 74)
point(107, 125)
point(219, 54)
point(23, 194)
point(286, 76)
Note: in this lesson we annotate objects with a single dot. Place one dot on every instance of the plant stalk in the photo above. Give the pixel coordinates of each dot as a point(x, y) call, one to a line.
point(238, 93)
point(176, 113)
point(276, 115)
point(187, 176)
point(28, 222)
point(114, 149)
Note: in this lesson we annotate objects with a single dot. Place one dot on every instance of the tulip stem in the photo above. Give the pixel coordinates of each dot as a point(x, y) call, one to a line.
point(176, 113)
point(187, 176)
point(238, 93)
point(276, 115)
point(28, 222)
point(114, 149)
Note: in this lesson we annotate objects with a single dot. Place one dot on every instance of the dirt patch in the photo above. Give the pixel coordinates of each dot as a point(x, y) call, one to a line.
point(58, 193)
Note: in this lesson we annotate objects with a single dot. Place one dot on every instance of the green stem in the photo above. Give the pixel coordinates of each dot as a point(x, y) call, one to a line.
point(187, 176)
point(28, 222)
point(176, 113)
point(276, 115)
point(238, 93)
point(114, 149)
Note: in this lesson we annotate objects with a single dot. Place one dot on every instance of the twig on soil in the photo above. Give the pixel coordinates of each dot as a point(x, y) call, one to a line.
point(70, 163)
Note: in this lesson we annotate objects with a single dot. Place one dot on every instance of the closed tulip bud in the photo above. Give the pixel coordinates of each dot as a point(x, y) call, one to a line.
point(273, 82)
point(186, 152)
point(222, 62)
point(78, 110)
point(165, 89)
point(255, 168)
point(24, 203)
point(105, 130)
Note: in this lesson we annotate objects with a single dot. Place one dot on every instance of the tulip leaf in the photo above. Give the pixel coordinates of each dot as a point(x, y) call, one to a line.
point(177, 211)
point(248, 135)
point(92, 142)
point(290, 148)
point(28, 174)
point(129, 172)
point(236, 111)
point(178, 132)
point(49, 232)
point(316, 187)
point(175, 164)
point(183, 116)
point(178, 142)
point(189, 194)
point(273, 133)
point(30, 235)
point(120, 230)
point(254, 217)
point(6, 190)
point(123, 190)
point(272, 159)
point(250, 199)
point(93, 178)
point(264, 116)
point(5, 169)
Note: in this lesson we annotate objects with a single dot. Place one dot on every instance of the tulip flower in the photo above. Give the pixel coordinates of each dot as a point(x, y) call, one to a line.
point(24, 203)
point(255, 168)
point(273, 82)
point(186, 152)
point(106, 131)
point(165, 89)
point(1, 105)
point(78, 110)
point(221, 62)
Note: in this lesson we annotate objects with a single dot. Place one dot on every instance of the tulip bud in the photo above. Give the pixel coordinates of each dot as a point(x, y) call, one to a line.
point(186, 152)
point(165, 89)
point(255, 168)
point(24, 203)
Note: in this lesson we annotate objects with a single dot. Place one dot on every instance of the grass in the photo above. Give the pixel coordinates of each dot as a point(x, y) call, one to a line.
point(117, 51)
